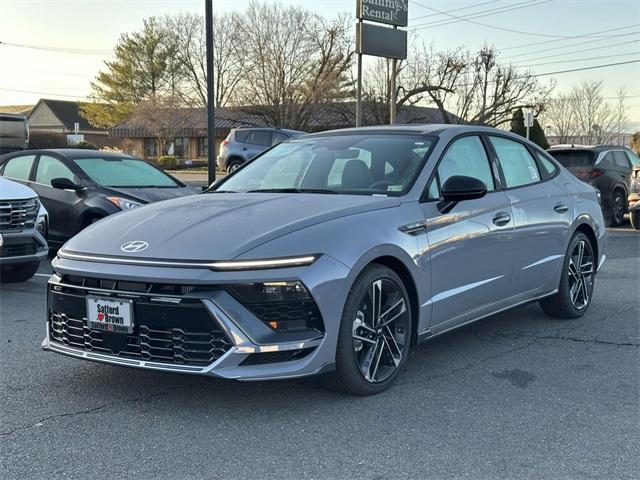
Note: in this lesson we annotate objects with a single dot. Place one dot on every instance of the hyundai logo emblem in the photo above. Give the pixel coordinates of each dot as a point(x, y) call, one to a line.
point(134, 246)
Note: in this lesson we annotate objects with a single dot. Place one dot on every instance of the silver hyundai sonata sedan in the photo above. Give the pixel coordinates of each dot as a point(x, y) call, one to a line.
point(331, 254)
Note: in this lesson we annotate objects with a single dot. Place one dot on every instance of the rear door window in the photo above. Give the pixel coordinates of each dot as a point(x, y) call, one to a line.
point(547, 165)
point(260, 137)
point(518, 166)
point(620, 159)
point(278, 138)
point(19, 167)
point(573, 159)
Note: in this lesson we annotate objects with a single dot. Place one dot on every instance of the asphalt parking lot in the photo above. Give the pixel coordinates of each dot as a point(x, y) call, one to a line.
point(514, 396)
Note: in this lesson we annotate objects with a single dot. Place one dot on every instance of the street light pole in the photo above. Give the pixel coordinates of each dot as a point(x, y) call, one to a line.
point(211, 116)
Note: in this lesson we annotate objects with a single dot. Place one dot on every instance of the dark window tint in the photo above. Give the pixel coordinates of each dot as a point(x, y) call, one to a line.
point(620, 159)
point(609, 159)
point(260, 137)
point(467, 157)
point(203, 144)
point(19, 167)
point(50, 168)
point(181, 147)
point(278, 138)
point(242, 136)
point(547, 164)
point(570, 159)
point(150, 147)
point(518, 166)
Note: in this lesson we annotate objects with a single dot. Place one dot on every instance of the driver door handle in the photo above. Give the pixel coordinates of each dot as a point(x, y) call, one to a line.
point(501, 219)
point(561, 208)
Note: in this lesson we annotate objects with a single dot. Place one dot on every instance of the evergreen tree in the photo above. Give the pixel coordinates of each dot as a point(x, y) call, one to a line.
point(144, 69)
point(536, 134)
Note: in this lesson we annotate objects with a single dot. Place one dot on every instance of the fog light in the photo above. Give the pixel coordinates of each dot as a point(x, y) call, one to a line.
point(41, 225)
point(283, 306)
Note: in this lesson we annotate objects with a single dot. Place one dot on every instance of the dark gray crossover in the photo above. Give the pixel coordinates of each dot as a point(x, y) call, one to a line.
point(331, 254)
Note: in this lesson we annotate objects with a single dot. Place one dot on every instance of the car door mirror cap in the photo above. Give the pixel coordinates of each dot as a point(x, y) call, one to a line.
point(458, 189)
point(63, 183)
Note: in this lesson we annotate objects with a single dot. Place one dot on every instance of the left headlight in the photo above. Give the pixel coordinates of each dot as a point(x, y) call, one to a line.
point(124, 203)
point(42, 224)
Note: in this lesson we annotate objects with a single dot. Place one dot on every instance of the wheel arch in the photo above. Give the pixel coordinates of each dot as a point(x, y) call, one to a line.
point(587, 230)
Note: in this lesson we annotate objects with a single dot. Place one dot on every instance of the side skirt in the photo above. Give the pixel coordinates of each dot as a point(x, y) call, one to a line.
point(429, 334)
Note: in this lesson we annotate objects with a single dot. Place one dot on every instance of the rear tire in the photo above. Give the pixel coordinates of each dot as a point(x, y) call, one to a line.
point(576, 283)
point(373, 341)
point(18, 272)
point(634, 217)
point(614, 214)
point(234, 163)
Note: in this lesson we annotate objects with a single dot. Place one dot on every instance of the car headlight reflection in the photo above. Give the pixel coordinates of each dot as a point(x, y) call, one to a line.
point(124, 203)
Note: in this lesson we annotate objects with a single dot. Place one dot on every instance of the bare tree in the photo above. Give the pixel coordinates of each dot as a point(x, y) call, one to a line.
point(188, 32)
point(595, 117)
point(621, 118)
point(559, 114)
point(296, 60)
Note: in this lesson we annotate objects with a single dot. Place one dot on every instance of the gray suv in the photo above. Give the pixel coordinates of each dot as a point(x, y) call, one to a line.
point(243, 144)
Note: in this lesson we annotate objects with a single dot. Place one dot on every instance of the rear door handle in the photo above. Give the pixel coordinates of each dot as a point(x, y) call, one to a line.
point(501, 218)
point(561, 208)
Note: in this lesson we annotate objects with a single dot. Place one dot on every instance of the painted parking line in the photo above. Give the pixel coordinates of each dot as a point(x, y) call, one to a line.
point(47, 275)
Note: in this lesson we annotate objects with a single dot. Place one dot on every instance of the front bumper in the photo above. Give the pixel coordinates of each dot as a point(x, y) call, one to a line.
point(254, 352)
point(633, 201)
point(22, 247)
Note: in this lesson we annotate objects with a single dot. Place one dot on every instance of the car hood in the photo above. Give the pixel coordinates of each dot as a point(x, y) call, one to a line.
point(152, 194)
point(14, 190)
point(216, 226)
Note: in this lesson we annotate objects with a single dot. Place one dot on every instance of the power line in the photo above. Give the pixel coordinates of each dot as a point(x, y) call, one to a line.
point(80, 51)
point(579, 51)
point(46, 72)
point(586, 35)
point(484, 13)
point(455, 9)
point(522, 32)
point(573, 45)
point(578, 60)
point(41, 93)
point(584, 68)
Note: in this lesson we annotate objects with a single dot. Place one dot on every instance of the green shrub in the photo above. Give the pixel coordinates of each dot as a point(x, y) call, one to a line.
point(168, 162)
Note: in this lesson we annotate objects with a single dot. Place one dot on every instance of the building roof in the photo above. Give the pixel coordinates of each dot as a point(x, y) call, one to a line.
point(16, 109)
point(192, 122)
point(67, 112)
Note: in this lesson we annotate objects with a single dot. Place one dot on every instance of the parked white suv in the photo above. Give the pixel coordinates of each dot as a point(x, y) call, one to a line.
point(23, 229)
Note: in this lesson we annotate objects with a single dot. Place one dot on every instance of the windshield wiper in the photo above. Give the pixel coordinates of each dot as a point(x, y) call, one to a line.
point(292, 190)
point(220, 191)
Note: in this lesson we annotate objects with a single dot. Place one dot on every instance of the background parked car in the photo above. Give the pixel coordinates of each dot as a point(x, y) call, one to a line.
point(14, 133)
point(23, 230)
point(634, 194)
point(243, 144)
point(607, 168)
point(79, 187)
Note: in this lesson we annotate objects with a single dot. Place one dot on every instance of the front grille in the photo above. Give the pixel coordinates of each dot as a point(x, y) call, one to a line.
point(18, 249)
point(172, 345)
point(130, 287)
point(16, 215)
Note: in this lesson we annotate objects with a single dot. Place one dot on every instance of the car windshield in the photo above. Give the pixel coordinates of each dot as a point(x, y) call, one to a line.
point(569, 159)
point(348, 164)
point(123, 172)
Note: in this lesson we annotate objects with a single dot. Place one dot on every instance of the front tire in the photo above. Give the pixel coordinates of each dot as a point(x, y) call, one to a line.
point(375, 334)
point(576, 283)
point(18, 272)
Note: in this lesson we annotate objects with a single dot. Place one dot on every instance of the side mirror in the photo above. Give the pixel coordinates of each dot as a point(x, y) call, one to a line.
point(65, 184)
point(459, 188)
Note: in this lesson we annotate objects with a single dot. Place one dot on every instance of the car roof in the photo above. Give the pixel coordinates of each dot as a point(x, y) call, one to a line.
point(591, 148)
point(72, 153)
point(271, 129)
point(421, 129)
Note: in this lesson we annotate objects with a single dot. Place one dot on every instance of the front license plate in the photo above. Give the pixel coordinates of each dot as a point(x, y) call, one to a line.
point(110, 314)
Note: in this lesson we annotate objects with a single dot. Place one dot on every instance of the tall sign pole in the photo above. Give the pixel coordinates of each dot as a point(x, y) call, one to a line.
point(359, 89)
point(211, 117)
point(380, 41)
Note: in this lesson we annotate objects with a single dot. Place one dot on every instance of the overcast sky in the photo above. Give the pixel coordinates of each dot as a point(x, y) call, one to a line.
point(511, 25)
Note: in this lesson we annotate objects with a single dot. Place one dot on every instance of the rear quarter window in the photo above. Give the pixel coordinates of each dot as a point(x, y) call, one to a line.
point(241, 135)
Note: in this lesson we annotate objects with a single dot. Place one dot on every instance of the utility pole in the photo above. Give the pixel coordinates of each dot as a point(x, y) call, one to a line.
point(392, 87)
point(359, 84)
point(211, 116)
